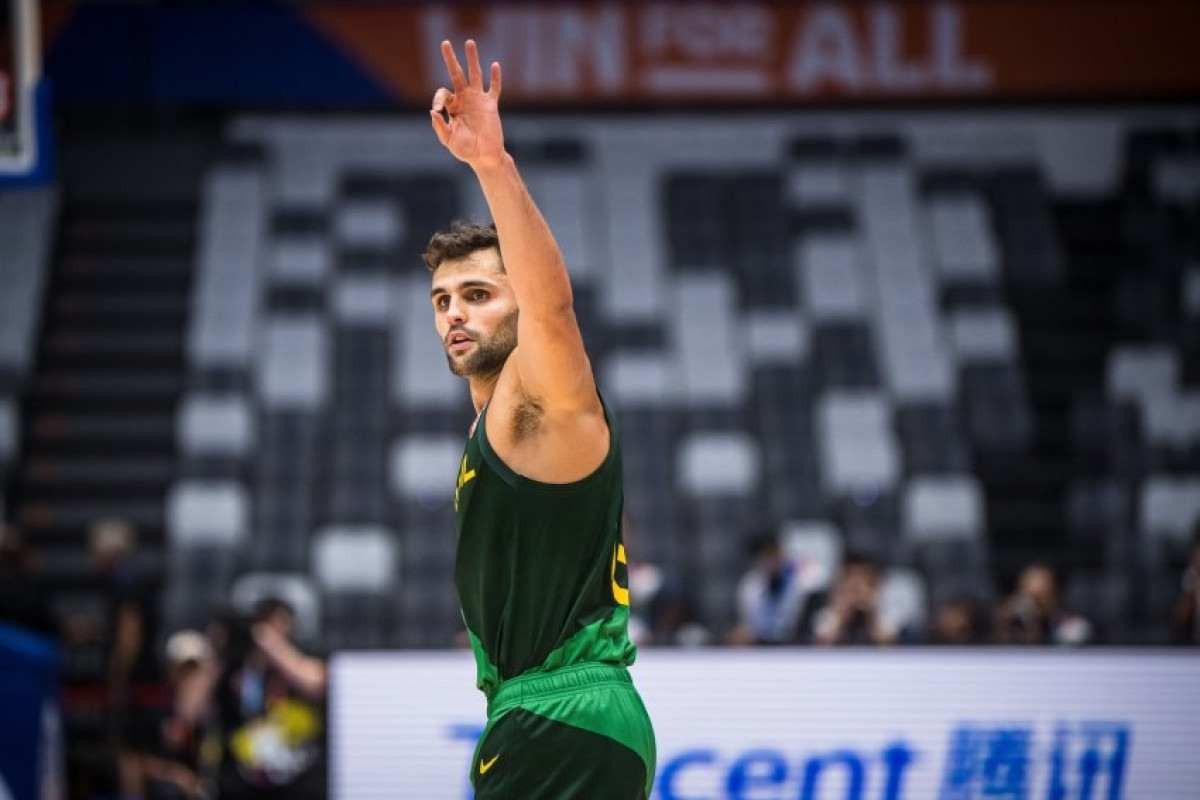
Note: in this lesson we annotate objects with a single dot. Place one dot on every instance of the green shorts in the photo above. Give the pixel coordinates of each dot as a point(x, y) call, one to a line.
point(575, 733)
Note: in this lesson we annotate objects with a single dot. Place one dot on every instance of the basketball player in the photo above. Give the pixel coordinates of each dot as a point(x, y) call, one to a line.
point(540, 567)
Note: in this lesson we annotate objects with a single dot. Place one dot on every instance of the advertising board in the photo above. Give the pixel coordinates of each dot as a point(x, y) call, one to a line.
point(818, 724)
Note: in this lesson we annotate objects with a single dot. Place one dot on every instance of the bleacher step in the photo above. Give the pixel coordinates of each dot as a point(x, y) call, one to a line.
point(92, 429)
point(102, 472)
point(70, 521)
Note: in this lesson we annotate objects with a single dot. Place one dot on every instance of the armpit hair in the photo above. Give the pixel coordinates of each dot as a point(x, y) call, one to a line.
point(526, 418)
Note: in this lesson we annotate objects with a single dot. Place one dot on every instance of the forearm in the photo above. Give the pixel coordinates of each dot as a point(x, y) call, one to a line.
point(305, 673)
point(128, 642)
point(195, 695)
point(531, 256)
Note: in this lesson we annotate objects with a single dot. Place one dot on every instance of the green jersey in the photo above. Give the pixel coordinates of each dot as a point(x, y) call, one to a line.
point(540, 568)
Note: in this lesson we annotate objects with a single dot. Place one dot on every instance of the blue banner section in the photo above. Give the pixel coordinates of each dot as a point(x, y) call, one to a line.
point(28, 681)
point(240, 54)
point(42, 163)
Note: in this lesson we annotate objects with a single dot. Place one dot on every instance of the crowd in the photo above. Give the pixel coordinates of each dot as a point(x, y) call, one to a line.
point(234, 711)
point(780, 603)
point(237, 710)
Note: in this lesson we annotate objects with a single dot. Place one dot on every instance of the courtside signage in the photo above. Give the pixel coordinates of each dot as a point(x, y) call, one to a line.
point(818, 724)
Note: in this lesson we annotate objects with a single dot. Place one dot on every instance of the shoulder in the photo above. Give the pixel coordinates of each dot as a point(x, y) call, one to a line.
point(545, 441)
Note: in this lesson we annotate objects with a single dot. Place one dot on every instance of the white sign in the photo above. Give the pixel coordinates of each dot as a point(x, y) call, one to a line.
point(818, 724)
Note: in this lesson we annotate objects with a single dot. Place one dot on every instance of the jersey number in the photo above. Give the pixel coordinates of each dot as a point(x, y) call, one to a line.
point(620, 593)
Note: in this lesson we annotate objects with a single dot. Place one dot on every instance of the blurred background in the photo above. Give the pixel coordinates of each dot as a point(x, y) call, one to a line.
point(898, 305)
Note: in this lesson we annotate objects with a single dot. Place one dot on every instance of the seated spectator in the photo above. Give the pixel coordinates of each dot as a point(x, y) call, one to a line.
point(770, 595)
point(1185, 620)
point(1033, 613)
point(271, 700)
point(960, 621)
point(22, 601)
point(849, 613)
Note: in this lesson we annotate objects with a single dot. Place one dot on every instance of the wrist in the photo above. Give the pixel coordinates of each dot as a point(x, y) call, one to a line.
point(493, 164)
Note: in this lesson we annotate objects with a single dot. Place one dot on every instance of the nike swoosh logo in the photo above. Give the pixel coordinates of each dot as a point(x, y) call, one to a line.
point(484, 766)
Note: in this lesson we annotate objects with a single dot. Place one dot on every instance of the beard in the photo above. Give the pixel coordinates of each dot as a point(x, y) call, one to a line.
point(490, 353)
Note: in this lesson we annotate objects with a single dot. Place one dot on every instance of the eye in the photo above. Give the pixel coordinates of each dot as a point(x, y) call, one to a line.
point(478, 295)
point(442, 302)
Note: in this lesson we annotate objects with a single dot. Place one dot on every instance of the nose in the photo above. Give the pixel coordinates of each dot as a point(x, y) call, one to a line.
point(456, 312)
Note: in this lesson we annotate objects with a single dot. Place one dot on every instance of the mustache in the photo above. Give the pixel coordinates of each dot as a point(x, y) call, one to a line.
point(460, 329)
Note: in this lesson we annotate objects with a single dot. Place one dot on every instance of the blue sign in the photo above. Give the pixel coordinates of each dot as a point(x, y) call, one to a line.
point(28, 683)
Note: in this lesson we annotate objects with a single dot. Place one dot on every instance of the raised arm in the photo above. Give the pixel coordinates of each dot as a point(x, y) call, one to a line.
point(550, 359)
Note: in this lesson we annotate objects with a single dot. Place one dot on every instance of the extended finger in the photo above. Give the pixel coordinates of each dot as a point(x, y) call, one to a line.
point(494, 86)
point(452, 65)
point(440, 127)
point(474, 73)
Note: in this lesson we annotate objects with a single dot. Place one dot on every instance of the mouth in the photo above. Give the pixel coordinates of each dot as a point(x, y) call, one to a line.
point(459, 342)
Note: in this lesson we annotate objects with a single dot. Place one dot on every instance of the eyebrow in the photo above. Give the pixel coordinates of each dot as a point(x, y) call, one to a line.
point(464, 285)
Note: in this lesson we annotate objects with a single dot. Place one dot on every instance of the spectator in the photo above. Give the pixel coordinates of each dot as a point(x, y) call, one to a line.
point(127, 633)
point(1185, 621)
point(960, 621)
point(1033, 614)
point(271, 699)
point(662, 614)
point(170, 751)
point(849, 613)
point(22, 601)
point(659, 612)
point(770, 595)
point(130, 628)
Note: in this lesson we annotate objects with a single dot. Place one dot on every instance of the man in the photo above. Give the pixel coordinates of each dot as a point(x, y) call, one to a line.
point(849, 614)
point(770, 595)
point(540, 564)
point(270, 699)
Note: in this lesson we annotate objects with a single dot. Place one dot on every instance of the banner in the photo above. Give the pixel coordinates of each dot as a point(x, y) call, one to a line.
point(817, 724)
point(785, 53)
point(581, 54)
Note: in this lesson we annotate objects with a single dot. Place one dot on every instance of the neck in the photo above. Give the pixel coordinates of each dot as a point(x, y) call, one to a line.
point(482, 387)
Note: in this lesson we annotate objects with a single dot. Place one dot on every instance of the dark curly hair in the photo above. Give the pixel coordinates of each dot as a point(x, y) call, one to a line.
point(461, 239)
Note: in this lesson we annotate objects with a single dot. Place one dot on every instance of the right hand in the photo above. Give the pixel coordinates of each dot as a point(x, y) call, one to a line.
point(473, 133)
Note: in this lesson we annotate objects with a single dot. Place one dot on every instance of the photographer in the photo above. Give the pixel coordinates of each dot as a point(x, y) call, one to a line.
point(1034, 615)
point(271, 698)
point(850, 614)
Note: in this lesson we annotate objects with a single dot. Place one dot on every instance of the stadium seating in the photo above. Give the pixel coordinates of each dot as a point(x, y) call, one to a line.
point(959, 342)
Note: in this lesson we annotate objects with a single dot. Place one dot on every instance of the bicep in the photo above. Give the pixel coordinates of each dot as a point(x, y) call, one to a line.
point(552, 362)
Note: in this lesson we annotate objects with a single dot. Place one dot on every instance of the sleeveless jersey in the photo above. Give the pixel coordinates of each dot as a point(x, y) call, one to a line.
point(540, 568)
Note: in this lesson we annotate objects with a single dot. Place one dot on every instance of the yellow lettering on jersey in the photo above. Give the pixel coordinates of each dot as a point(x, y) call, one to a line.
point(464, 477)
point(620, 593)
